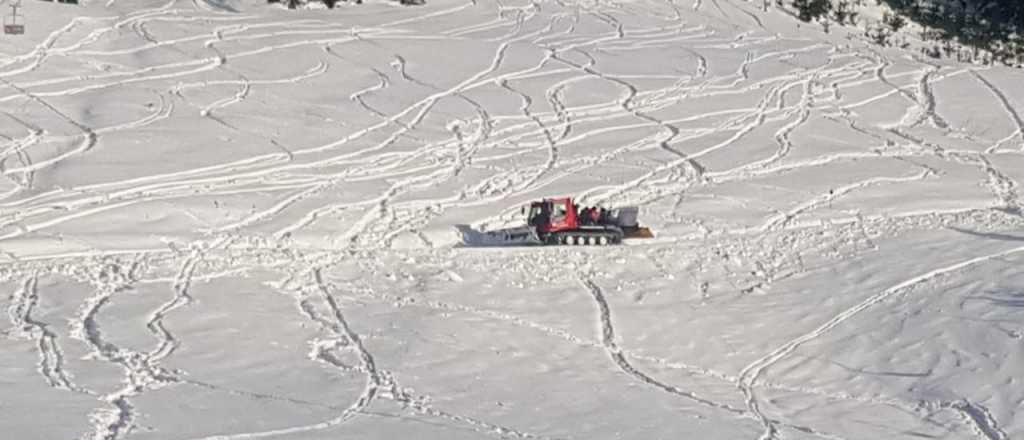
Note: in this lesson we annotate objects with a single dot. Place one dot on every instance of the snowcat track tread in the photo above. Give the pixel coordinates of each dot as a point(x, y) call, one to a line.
point(584, 238)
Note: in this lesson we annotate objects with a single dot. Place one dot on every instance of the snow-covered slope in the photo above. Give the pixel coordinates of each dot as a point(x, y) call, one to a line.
point(226, 220)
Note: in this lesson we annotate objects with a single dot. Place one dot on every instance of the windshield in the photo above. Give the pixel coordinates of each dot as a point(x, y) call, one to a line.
point(537, 215)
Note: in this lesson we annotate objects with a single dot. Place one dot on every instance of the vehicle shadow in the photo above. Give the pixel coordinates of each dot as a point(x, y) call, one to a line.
point(1001, 298)
point(989, 235)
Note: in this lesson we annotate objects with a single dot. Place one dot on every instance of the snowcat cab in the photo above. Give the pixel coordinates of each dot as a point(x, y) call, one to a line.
point(553, 215)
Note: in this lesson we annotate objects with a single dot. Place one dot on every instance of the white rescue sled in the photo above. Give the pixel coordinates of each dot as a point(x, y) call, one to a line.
point(519, 236)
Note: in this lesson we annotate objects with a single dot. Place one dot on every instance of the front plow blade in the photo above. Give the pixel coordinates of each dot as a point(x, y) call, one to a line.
point(637, 233)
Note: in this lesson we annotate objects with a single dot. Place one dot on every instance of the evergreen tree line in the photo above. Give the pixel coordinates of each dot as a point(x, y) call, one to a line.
point(993, 26)
point(292, 4)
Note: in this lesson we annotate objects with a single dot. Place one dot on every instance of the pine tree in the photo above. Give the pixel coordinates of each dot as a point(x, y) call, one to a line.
point(808, 10)
point(843, 13)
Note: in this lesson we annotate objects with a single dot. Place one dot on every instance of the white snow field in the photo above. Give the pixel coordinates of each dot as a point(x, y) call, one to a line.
point(228, 220)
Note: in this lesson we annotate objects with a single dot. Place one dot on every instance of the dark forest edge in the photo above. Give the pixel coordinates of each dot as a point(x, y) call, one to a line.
point(292, 4)
point(978, 31)
point(986, 31)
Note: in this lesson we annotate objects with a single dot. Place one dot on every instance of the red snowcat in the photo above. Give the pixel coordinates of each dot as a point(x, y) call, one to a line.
point(561, 221)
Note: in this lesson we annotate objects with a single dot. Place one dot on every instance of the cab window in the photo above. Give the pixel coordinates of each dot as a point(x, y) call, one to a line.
point(558, 213)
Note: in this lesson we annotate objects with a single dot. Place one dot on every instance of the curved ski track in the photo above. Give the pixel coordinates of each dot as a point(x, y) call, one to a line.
point(549, 97)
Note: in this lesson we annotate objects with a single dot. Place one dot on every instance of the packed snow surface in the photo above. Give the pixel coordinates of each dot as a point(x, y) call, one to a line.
point(228, 220)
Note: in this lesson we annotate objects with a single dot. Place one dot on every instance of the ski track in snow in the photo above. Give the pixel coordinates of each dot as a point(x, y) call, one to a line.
point(984, 424)
point(749, 376)
point(618, 357)
point(51, 357)
point(558, 97)
point(613, 350)
point(1011, 111)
